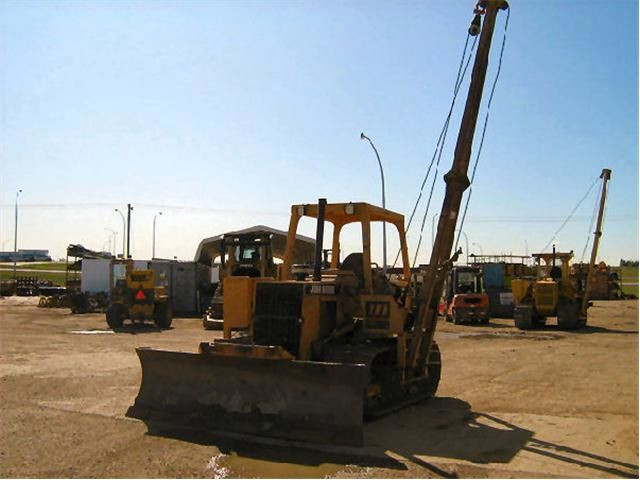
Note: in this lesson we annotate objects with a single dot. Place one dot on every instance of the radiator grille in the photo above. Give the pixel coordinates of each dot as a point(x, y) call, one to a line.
point(545, 294)
point(278, 314)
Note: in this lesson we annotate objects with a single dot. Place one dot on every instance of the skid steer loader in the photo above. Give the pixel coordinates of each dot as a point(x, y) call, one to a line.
point(327, 349)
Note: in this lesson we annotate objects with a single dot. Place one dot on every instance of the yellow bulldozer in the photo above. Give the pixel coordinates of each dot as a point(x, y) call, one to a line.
point(134, 295)
point(328, 348)
point(347, 327)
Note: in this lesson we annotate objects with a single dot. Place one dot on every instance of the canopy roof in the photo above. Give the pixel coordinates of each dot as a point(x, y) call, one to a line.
point(304, 247)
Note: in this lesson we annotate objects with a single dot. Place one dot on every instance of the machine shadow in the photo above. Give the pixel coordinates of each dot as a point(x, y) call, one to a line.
point(444, 427)
point(447, 427)
point(594, 329)
point(140, 328)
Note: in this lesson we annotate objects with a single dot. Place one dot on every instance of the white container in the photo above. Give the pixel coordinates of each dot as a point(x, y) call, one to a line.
point(95, 275)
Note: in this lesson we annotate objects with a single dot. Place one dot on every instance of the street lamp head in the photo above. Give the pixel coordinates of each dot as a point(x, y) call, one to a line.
point(159, 213)
point(362, 136)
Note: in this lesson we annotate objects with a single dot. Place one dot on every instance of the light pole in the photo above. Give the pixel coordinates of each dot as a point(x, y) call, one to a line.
point(384, 205)
point(15, 236)
point(153, 254)
point(433, 229)
point(114, 236)
point(124, 229)
point(479, 246)
point(466, 244)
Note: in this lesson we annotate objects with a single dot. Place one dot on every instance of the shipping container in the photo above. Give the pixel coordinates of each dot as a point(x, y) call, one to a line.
point(188, 284)
point(493, 275)
point(95, 275)
point(500, 303)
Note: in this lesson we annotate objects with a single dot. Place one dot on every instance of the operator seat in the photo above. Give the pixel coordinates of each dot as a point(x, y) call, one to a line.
point(246, 271)
point(353, 263)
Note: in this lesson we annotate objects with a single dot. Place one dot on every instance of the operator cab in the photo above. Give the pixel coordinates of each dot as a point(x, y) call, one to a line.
point(464, 280)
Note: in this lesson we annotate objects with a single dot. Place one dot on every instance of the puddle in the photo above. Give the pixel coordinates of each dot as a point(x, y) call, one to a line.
point(237, 466)
point(514, 335)
point(214, 467)
point(499, 334)
point(91, 332)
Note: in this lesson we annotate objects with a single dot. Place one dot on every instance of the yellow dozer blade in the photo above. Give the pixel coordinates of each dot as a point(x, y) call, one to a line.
point(288, 399)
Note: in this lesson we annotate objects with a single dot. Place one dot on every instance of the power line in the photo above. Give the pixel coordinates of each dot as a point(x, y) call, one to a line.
point(110, 206)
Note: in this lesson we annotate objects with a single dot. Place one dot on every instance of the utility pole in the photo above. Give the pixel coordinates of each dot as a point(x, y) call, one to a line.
point(605, 176)
point(15, 236)
point(129, 208)
point(456, 183)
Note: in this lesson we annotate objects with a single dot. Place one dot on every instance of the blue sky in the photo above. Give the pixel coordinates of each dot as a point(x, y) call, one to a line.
point(236, 110)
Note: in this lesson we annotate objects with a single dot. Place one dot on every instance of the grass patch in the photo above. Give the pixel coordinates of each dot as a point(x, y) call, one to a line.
point(629, 280)
point(57, 278)
point(62, 266)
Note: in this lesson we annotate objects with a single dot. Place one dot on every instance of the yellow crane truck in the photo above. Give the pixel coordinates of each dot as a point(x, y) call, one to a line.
point(325, 350)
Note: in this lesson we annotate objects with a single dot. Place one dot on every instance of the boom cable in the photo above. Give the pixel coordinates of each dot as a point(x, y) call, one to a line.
point(484, 129)
point(590, 231)
point(571, 214)
point(462, 69)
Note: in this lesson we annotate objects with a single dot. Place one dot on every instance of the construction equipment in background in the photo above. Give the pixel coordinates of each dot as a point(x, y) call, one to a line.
point(246, 254)
point(135, 296)
point(551, 294)
point(605, 283)
point(343, 343)
point(554, 293)
point(464, 298)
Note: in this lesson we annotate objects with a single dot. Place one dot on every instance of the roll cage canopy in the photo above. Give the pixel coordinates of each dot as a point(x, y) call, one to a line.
point(341, 214)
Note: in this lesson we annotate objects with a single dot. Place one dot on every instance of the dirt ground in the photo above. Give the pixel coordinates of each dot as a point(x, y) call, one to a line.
point(510, 404)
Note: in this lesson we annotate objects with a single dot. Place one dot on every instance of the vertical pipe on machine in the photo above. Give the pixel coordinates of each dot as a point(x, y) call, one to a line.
point(317, 259)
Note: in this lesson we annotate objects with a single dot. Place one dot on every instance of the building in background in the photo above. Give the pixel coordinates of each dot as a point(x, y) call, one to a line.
point(31, 255)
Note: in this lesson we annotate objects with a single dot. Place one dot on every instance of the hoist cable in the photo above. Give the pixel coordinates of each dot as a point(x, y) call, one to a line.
point(459, 77)
point(590, 231)
point(604, 215)
point(435, 175)
point(484, 129)
point(570, 215)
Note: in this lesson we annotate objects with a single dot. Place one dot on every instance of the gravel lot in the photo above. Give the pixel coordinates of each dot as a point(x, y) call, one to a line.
point(510, 404)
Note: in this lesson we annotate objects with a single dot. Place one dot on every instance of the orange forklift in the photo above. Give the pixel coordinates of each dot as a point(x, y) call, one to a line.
point(464, 299)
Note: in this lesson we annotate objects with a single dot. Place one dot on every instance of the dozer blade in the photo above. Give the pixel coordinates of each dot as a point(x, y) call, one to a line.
point(293, 400)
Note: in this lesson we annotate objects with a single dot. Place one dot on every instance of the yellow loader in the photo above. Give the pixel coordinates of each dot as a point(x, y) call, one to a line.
point(135, 296)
